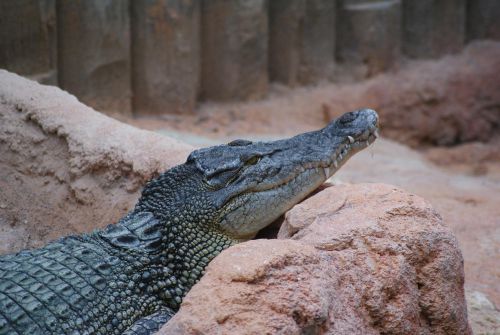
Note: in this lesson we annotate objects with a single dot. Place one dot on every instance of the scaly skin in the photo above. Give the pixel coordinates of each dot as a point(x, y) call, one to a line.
point(130, 277)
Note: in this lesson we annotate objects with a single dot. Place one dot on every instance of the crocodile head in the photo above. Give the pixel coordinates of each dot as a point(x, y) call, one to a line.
point(240, 187)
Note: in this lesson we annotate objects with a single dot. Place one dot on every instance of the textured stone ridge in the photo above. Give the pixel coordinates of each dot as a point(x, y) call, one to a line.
point(64, 168)
point(353, 259)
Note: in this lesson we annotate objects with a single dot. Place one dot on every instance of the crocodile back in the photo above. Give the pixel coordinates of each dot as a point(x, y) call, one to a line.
point(58, 289)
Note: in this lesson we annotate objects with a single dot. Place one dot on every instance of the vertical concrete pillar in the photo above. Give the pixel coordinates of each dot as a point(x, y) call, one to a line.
point(165, 55)
point(286, 21)
point(432, 28)
point(483, 19)
point(318, 41)
point(94, 52)
point(301, 40)
point(28, 38)
point(369, 35)
point(234, 49)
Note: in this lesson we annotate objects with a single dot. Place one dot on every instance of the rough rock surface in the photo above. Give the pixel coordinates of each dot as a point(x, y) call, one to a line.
point(64, 168)
point(362, 259)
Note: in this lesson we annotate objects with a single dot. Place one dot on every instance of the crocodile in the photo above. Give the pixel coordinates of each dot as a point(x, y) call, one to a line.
point(130, 277)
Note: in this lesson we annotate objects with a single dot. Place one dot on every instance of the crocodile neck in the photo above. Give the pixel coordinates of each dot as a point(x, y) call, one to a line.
point(165, 247)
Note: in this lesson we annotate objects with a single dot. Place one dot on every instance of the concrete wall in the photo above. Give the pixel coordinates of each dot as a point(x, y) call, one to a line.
point(94, 52)
point(28, 43)
point(433, 28)
point(165, 55)
point(369, 35)
point(234, 49)
point(150, 57)
point(483, 19)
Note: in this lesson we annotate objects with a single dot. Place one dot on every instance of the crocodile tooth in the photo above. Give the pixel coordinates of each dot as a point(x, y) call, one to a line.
point(335, 163)
point(327, 172)
point(376, 134)
point(351, 139)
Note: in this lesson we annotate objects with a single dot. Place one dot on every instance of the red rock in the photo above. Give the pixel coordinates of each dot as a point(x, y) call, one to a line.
point(65, 168)
point(362, 259)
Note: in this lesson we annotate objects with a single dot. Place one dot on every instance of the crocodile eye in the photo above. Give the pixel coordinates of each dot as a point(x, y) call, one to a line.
point(253, 160)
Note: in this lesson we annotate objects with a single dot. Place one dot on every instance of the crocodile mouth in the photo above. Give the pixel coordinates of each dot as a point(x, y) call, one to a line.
point(347, 149)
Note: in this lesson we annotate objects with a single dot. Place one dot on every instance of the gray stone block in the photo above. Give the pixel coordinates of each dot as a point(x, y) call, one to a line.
point(369, 35)
point(28, 38)
point(286, 20)
point(318, 41)
point(94, 52)
point(301, 40)
point(483, 19)
point(432, 28)
point(234, 49)
point(166, 55)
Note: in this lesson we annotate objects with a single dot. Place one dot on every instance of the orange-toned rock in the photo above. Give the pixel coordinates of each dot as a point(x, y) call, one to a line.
point(362, 259)
point(65, 168)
